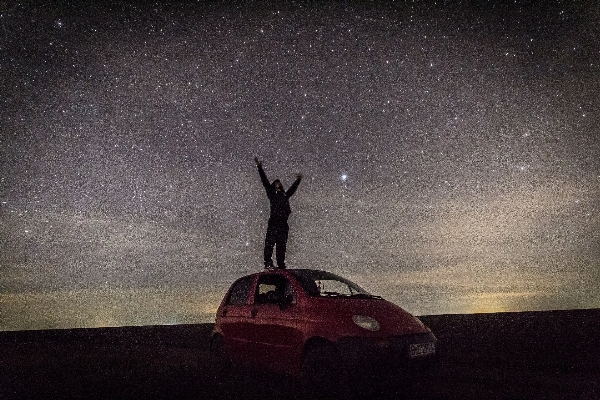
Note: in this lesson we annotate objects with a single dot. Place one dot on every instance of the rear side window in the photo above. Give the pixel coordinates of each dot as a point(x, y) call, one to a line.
point(274, 289)
point(240, 291)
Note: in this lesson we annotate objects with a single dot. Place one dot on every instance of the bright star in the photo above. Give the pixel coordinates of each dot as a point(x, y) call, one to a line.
point(344, 177)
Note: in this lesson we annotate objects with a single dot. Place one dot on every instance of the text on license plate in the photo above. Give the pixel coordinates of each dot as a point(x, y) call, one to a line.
point(421, 349)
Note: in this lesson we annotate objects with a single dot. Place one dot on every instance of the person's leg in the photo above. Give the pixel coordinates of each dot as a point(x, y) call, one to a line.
point(270, 240)
point(282, 237)
point(281, 247)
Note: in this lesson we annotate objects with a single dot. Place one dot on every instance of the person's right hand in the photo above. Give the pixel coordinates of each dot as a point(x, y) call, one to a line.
point(258, 163)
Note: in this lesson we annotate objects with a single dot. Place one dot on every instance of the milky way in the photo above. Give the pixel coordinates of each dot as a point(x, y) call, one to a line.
point(450, 153)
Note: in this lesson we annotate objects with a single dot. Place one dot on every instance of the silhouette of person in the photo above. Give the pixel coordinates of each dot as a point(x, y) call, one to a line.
point(277, 229)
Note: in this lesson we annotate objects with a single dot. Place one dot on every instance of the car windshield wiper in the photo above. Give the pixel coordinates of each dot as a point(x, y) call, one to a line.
point(365, 296)
point(353, 296)
point(333, 294)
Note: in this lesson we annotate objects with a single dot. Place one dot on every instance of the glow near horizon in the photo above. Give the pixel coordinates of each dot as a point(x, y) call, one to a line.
point(421, 293)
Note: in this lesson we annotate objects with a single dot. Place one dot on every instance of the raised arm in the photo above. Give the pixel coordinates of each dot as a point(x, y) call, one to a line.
point(290, 192)
point(263, 176)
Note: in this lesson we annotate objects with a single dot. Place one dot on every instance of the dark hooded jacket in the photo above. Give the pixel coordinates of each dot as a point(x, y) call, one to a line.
point(280, 205)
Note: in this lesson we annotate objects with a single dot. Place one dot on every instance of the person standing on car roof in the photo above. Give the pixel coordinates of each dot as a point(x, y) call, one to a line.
point(277, 229)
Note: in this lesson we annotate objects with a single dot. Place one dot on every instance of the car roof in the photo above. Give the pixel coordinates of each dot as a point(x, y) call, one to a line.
point(301, 275)
point(293, 271)
point(287, 272)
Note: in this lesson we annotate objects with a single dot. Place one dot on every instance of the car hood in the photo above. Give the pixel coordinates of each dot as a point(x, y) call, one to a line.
point(393, 320)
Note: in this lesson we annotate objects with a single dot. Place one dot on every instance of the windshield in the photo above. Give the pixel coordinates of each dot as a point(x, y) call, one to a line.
point(321, 283)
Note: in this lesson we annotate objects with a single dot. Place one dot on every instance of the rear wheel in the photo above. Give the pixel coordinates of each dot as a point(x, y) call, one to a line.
point(221, 359)
point(322, 375)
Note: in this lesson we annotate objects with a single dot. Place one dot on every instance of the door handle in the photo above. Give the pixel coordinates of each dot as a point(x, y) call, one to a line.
point(254, 312)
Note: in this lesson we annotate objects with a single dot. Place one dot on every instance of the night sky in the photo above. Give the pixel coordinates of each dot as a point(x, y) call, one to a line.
point(450, 153)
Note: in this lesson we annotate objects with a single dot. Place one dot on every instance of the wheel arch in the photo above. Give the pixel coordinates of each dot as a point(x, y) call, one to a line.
point(215, 336)
point(314, 342)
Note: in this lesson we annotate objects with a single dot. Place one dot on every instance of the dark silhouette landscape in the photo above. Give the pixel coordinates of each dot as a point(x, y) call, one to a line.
point(525, 355)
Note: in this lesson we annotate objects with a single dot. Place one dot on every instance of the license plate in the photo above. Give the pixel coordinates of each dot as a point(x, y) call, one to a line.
point(421, 349)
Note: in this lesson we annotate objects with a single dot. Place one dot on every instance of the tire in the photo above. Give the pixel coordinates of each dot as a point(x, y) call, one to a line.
point(322, 375)
point(221, 359)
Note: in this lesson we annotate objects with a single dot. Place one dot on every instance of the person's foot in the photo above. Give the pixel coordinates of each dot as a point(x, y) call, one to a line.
point(269, 265)
point(281, 266)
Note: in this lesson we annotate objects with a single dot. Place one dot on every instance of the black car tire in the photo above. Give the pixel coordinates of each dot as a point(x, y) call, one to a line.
point(221, 360)
point(322, 374)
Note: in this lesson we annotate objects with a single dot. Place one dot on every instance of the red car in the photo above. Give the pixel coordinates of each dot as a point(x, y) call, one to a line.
point(313, 324)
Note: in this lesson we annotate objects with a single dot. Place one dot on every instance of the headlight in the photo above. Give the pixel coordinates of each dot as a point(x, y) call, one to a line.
point(366, 322)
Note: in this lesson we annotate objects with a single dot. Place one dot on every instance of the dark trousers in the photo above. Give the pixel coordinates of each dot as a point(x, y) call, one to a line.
point(277, 235)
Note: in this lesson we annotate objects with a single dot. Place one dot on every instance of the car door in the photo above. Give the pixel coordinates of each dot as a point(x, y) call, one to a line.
point(235, 318)
point(274, 324)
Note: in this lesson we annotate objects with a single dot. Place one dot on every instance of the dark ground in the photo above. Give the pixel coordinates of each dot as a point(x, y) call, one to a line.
point(532, 355)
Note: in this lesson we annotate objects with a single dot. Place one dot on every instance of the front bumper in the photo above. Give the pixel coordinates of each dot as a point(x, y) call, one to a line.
point(402, 350)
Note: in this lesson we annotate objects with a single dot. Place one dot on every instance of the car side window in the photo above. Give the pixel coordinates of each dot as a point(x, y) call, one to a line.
point(240, 291)
point(274, 289)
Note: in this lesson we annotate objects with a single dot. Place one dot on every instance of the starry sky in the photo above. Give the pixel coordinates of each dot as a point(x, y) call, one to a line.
point(450, 153)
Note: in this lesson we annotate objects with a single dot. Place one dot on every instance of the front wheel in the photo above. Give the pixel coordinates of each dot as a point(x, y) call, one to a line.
point(322, 374)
